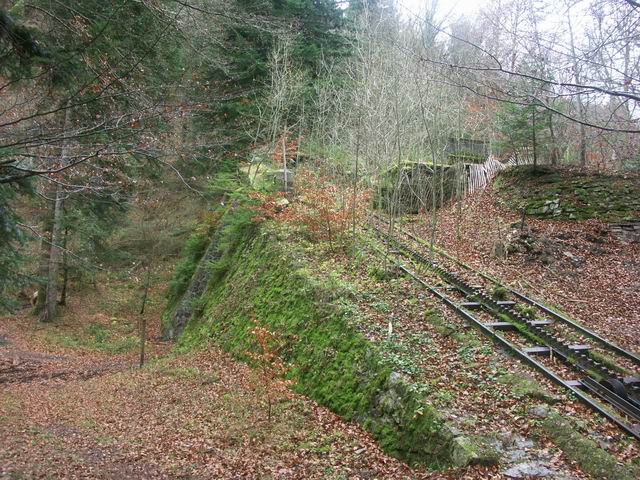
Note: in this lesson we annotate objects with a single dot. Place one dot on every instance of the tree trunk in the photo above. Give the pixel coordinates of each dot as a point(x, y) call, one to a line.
point(554, 147)
point(65, 270)
point(43, 270)
point(583, 140)
point(355, 182)
point(143, 338)
point(147, 284)
point(284, 160)
point(581, 110)
point(534, 140)
point(51, 302)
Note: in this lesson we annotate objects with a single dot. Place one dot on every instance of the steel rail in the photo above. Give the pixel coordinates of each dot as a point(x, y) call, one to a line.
point(558, 316)
point(585, 331)
point(609, 396)
point(559, 347)
point(584, 364)
point(632, 430)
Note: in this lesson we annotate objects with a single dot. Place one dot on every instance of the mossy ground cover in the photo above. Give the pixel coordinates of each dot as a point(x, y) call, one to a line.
point(565, 194)
point(261, 281)
point(75, 404)
point(593, 460)
point(332, 312)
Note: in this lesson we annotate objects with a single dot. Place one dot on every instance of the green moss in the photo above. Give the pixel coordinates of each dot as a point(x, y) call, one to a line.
point(523, 329)
point(524, 386)
point(570, 195)
point(475, 450)
point(592, 459)
point(408, 187)
point(95, 337)
point(191, 254)
point(608, 362)
point(330, 361)
point(465, 157)
point(380, 274)
point(499, 292)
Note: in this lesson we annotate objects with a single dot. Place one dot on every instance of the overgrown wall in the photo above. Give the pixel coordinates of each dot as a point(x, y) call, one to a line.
point(258, 279)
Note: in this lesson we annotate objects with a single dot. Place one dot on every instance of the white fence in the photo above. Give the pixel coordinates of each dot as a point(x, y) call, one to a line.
point(481, 174)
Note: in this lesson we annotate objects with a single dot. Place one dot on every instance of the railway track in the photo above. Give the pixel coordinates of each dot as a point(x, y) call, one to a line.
point(598, 372)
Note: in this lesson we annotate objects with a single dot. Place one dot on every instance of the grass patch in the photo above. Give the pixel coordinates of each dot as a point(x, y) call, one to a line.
point(95, 337)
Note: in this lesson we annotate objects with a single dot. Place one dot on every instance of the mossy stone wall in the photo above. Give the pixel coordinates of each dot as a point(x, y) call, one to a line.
point(566, 194)
point(262, 280)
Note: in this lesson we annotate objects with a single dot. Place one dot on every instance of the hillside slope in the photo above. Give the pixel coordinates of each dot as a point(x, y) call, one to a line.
point(570, 194)
point(348, 331)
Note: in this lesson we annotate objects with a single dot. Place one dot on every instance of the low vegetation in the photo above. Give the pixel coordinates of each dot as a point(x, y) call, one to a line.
point(190, 286)
point(593, 460)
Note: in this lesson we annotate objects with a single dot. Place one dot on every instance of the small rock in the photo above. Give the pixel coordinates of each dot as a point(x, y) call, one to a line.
point(516, 456)
point(508, 439)
point(524, 443)
point(473, 451)
point(539, 411)
point(603, 441)
point(395, 379)
point(546, 259)
point(462, 453)
point(499, 250)
point(528, 470)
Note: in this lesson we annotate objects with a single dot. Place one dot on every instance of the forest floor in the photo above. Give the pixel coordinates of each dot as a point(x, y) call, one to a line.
point(74, 404)
point(472, 383)
point(72, 409)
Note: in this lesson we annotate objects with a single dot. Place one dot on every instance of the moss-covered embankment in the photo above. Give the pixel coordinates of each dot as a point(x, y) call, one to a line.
point(255, 278)
point(569, 194)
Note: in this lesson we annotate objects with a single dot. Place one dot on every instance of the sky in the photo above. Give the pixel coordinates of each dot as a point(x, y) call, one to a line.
point(457, 7)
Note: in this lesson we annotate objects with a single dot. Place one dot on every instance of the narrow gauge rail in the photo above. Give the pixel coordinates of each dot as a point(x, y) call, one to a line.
point(543, 309)
point(577, 331)
point(600, 383)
